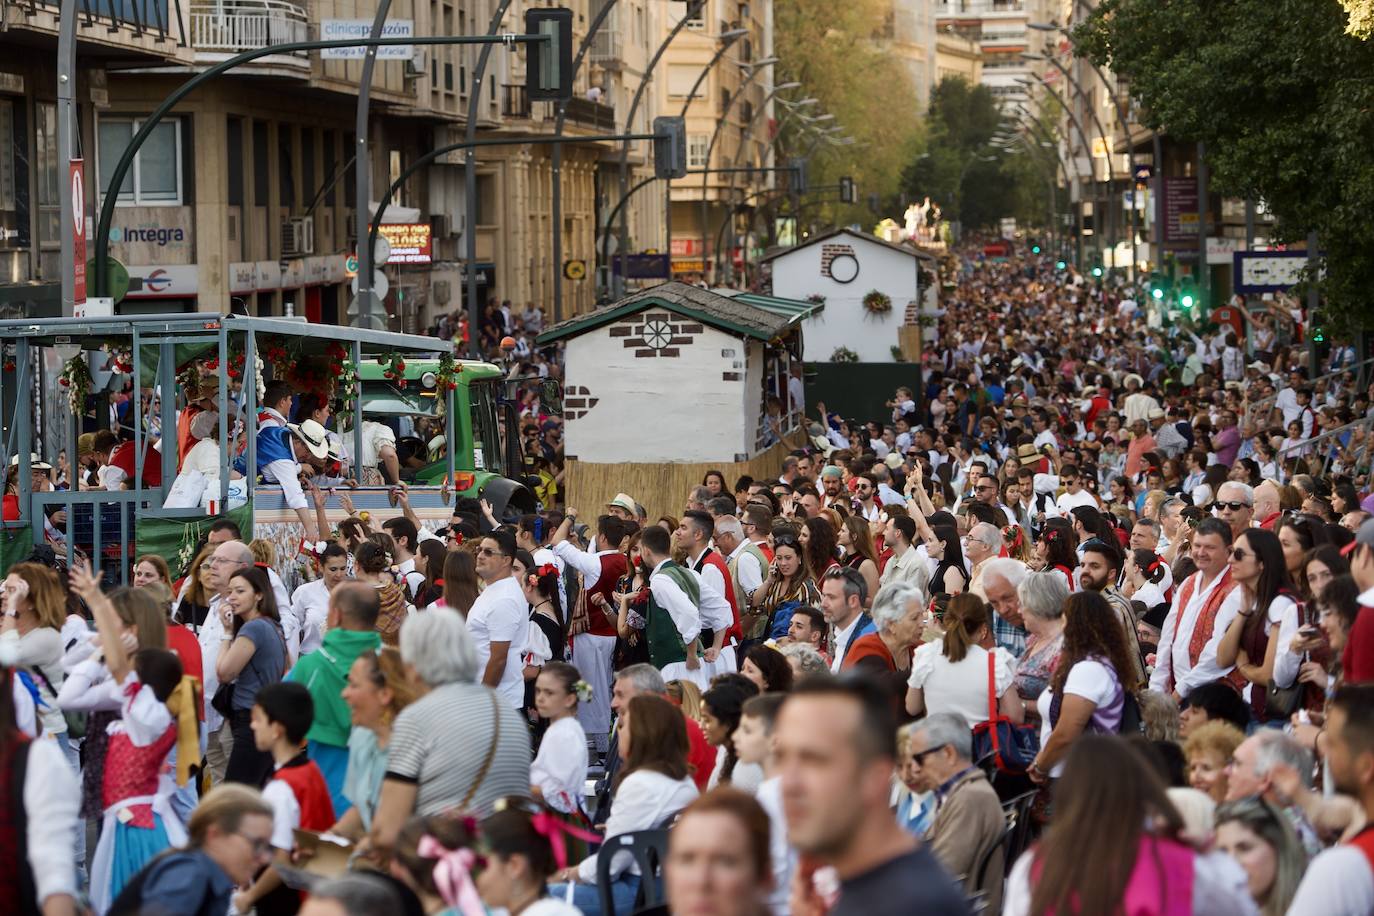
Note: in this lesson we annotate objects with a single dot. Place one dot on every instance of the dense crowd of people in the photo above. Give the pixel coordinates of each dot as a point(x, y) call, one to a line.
point(1077, 627)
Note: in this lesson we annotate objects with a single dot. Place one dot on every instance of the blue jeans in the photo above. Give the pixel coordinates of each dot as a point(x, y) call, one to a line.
point(586, 898)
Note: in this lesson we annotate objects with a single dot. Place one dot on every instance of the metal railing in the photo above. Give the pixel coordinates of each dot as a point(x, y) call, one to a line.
point(596, 115)
point(606, 46)
point(1327, 446)
point(1361, 371)
point(243, 25)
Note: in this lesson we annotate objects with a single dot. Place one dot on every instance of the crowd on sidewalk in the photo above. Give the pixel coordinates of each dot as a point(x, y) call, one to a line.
point(1076, 625)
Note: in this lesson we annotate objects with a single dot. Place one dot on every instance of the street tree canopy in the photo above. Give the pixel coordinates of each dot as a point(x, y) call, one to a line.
point(1279, 93)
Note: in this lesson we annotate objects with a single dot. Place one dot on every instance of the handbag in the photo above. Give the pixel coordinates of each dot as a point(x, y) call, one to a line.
point(1011, 747)
point(1281, 702)
point(223, 700)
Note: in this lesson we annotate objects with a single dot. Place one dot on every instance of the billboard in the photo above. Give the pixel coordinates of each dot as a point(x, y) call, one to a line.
point(411, 243)
point(340, 29)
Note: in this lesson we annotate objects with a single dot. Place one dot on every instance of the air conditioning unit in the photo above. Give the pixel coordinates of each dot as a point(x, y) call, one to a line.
point(417, 66)
point(298, 236)
point(440, 225)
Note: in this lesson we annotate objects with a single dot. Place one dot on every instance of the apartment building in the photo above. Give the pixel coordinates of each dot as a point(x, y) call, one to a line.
point(730, 125)
point(247, 190)
point(930, 53)
point(1001, 30)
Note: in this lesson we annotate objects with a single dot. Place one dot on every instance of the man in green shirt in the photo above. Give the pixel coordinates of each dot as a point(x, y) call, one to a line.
point(351, 630)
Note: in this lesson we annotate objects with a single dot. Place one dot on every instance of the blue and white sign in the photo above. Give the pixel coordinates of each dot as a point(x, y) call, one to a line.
point(342, 29)
point(1267, 271)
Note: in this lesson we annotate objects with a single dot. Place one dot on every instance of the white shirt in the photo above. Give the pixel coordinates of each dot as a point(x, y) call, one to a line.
point(1338, 882)
point(544, 556)
point(1172, 655)
point(840, 642)
point(906, 567)
point(960, 687)
point(587, 563)
point(560, 768)
point(1045, 438)
point(52, 800)
point(783, 856)
point(1091, 680)
point(414, 581)
point(644, 799)
point(501, 614)
point(1066, 502)
point(747, 569)
point(714, 607)
point(310, 606)
point(686, 616)
point(211, 632)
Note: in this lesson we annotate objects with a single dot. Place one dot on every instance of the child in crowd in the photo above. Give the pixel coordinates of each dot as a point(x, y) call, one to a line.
point(297, 792)
point(559, 770)
point(753, 744)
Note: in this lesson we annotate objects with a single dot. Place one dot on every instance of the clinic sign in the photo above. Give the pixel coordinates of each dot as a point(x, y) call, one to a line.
point(344, 29)
point(411, 243)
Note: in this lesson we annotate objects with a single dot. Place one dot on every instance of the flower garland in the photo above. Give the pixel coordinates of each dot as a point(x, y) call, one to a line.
point(877, 302)
point(121, 358)
point(844, 355)
point(346, 381)
point(76, 378)
point(395, 367)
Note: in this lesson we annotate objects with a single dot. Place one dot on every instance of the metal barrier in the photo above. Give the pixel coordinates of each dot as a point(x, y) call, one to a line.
point(1362, 371)
point(1318, 445)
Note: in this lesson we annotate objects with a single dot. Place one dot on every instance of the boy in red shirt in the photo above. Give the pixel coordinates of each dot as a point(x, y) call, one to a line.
point(296, 790)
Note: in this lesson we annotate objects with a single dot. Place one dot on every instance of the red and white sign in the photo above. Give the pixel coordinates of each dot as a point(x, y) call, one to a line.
point(411, 243)
point(77, 176)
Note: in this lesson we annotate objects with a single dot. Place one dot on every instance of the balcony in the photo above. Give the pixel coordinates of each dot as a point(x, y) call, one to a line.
point(234, 26)
point(515, 103)
point(608, 49)
point(596, 115)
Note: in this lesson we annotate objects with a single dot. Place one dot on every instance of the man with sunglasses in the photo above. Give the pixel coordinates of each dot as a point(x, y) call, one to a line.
point(866, 498)
point(1235, 506)
point(499, 619)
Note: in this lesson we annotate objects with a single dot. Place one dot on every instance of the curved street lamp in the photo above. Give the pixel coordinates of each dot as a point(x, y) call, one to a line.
point(755, 70)
point(746, 133)
point(1082, 135)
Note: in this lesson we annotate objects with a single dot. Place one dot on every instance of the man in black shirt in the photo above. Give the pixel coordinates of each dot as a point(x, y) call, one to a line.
point(836, 748)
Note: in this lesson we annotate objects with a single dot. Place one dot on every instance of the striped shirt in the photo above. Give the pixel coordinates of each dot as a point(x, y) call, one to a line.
point(440, 742)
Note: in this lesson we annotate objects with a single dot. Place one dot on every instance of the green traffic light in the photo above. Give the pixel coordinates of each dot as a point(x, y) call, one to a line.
point(1186, 301)
point(1035, 249)
point(1060, 265)
point(1097, 271)
point(1157, 293)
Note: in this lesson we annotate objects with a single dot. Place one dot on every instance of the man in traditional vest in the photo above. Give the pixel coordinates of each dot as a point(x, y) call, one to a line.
point(593, 649)
point(720, 629)
point(1201, 612)
point(1340, 881)
point(672, 621)
point(747, 564)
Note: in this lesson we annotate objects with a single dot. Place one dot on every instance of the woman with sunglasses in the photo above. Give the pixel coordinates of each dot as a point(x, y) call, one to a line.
point(1258, 641)
point(788, 585)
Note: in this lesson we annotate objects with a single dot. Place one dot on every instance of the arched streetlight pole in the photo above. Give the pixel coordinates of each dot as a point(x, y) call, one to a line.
point(745, 135)
point(1082, 136)
point(556, 159)
point(754, 71)
point(617, 283)
point(1101, 131)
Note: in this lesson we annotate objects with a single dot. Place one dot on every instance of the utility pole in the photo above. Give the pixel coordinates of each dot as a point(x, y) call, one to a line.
point(66, 128)
point(1203, 272)
point(362, 174)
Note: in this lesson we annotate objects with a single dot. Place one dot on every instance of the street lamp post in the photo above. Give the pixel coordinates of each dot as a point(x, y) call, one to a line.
point(617, 282)
point(1082, 136)
point(1102, 132)
point(739, 153)
point(754, 71)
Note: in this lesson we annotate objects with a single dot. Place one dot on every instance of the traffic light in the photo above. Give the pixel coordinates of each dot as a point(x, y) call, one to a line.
point(1158, 287)
point(548, 64)
point(670, 147)
point(1061, 264)
point(1035, 249)
point(1097, 270)
point(1187, 294)
point(846, 189)
point(798, 167)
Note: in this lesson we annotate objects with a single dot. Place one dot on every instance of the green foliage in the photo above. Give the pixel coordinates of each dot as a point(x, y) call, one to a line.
point(960, 124)
point(830, 49)
point(1280, 94)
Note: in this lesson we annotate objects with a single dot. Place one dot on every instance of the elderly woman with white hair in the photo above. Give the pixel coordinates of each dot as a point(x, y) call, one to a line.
point(1042, 596)
point(899, 612)
point(458, 747)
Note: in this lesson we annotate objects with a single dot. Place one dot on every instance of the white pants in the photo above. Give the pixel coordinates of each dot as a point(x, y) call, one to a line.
point(593, 656)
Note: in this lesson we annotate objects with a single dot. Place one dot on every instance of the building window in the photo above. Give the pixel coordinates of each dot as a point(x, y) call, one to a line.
point(47, 176)
point(8, 197)
point(155, 179)
point(681, 78)
point(696, 151)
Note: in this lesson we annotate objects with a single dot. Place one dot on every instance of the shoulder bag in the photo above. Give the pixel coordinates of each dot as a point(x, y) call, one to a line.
point(1011, 747)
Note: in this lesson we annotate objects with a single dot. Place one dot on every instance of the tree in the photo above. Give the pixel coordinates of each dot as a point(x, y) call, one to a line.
point(1278, 92)
point(829, 48)
point(954, 171)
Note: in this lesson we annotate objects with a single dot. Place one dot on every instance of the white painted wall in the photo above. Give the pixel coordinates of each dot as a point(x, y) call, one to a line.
point(751, 395)
point(673, 409)
point(844, 321)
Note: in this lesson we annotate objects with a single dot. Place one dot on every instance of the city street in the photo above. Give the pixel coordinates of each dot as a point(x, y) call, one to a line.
point(687, 457)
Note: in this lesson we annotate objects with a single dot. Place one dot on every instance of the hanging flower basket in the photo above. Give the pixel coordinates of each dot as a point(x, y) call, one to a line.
point(877, 303)
point(76, 379)
point(844, 355)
